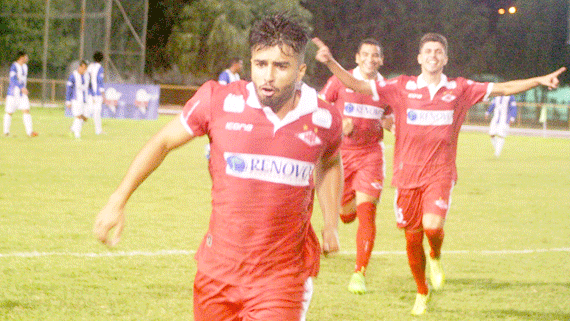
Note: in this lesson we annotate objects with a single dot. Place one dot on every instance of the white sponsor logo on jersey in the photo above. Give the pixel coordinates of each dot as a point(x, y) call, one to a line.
point(234, 103)
point(348, 90)
point(363, 111)
point(429, 117)
point(239, 126)
point(322, 118)
point(415, 96)
point(310, 138)
point(267, 168)
point(376, 185)
point(442, 204)
point(411, 85)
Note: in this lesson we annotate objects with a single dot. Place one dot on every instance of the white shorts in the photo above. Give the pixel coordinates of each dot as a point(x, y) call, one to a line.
point(498, 129)
point(17, 102)
point(94, 105)
point(78, 108)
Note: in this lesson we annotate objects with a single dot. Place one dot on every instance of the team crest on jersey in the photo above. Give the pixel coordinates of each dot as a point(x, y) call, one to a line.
point(234, 103)
point(310, 138)
point(348, 90)
point(448, 98)
point(322, 118)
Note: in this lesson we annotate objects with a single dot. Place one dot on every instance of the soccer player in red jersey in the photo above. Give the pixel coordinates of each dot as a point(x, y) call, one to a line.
point(273, 143)
point(429, 110)
point(362, 153)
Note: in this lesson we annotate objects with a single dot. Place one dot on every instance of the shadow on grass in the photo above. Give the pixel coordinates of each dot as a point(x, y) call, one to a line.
point(526, 315)
point(491, 284)
point(10, 305)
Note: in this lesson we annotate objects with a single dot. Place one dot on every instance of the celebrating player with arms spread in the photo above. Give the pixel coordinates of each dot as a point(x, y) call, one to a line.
point(429, 110)
point(362, 153)
point(273, 143)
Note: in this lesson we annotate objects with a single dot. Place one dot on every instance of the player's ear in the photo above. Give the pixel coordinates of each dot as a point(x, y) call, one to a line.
point(302, 71)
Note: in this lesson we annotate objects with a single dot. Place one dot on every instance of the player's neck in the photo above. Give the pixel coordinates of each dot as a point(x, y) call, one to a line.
point(432, 78)
point(373, 76)
point(288, 106)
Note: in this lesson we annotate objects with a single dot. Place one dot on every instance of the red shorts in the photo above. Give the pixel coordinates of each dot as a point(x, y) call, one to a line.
point(363, 171)
point(411, 204)
point(280, 301)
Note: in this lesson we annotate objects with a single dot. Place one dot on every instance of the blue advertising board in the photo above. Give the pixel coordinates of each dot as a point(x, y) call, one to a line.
point(129, 101)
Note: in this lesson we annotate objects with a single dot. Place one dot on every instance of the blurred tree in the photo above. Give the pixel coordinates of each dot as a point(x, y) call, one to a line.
point(22, 25)
point(209, 32)
point(398, 25)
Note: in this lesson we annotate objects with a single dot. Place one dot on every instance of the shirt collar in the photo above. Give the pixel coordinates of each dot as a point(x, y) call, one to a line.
point(308, 103)
point(358, 75)
point(431, 87)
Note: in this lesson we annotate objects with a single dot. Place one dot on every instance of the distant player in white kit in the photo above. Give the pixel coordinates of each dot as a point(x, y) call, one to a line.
point(17, 97)
point(504, 110)
point(95, 90)
point(76, 97)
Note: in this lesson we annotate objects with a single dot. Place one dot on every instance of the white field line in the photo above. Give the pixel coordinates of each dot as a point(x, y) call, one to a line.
point(185, 252)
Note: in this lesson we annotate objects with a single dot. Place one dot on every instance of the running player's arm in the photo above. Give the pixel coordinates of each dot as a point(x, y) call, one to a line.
point(517, 86)
point(324, 56)
point(148, 159)
point(329, 184)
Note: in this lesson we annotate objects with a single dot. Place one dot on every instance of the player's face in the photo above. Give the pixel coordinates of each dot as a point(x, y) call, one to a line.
point(275, 74)
point(81, 69)
point(369, 59)
point(238, 66)
point(432, 57)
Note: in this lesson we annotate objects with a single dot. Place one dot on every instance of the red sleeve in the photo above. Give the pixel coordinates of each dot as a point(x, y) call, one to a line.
point(475, 92)
point(386, 91)
point(196, 113)
point(335, 137)
point(330, 91)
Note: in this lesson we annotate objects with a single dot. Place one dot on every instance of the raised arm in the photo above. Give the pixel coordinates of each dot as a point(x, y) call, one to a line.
point(329, 184)
point(148, 159)
point(324, 56)
point(517, 86)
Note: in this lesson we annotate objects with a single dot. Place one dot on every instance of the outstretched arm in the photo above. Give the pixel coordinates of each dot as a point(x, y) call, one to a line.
point(148, 159)
point(324, 56)
point(329, 184)
point(517, 86)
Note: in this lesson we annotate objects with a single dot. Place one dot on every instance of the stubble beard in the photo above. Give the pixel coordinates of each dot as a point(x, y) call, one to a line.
point(278, 100)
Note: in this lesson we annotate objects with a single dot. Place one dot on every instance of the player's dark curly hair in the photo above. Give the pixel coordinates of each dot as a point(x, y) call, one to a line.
point(433, 37)
point(278, 30)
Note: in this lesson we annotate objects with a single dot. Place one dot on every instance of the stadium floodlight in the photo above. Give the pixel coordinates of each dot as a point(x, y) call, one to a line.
point(512, 10)
point(502, 11)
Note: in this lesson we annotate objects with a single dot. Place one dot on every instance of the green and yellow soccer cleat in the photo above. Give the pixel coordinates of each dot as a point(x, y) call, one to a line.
point(357, 284)
point(420, 307)
point(437, 277)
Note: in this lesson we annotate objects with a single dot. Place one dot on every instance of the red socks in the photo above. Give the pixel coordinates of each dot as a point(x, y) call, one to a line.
point(417, 259)
point(435, 239)
point(365, 235)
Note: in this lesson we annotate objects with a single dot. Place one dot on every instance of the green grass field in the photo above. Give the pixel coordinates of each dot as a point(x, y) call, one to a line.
point(506, 252)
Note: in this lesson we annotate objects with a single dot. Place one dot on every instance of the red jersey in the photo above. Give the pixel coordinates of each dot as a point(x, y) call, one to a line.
point(428, 120)
point(366, 113)
point(262, 181)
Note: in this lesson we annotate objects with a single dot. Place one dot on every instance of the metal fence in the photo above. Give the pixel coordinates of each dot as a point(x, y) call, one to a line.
point(171, 96)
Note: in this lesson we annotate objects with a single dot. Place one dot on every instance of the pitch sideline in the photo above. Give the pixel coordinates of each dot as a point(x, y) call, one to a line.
point(192, 252)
